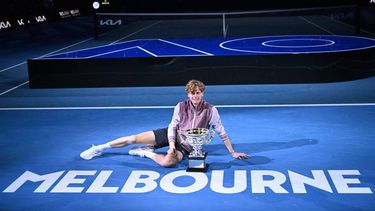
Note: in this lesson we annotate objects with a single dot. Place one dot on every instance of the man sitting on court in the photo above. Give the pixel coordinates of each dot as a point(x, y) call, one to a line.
point(192, 113)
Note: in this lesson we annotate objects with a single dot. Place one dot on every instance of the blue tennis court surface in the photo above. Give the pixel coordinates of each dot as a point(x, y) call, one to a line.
point(302, 158)
point(291, 44)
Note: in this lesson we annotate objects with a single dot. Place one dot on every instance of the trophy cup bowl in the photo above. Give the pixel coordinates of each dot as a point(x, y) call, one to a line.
point(196, 137)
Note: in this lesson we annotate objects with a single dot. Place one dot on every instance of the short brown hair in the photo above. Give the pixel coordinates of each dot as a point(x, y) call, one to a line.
point(193, 85)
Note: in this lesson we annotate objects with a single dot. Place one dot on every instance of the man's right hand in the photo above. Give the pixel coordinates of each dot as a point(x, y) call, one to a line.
point(172, 151)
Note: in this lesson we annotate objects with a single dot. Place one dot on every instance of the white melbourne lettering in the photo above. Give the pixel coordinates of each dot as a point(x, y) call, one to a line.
point(200, 181)
point(70, 178)
point(341, 183)
point(240, 182)
point(262, 181)
point(319, 181)
point(98, 185)
point(47, 181)
point(135, 178)
point(259, 184)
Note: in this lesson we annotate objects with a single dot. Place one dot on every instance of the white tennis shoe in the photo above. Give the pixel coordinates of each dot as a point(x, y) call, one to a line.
point(91, 152)
point(141, 151)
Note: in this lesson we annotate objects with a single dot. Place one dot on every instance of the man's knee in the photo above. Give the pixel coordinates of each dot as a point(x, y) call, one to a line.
point(132, 139)
point(168, 164)
point(169, 161)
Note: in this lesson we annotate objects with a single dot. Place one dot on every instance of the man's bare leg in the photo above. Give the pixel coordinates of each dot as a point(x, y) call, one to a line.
point(147, 138)
point(167, 160)
point(141, 138)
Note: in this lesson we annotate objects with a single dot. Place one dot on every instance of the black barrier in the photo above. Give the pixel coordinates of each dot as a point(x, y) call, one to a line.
point(216, 70)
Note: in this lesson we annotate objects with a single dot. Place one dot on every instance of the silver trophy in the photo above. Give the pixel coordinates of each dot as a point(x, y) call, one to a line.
point(196, 137)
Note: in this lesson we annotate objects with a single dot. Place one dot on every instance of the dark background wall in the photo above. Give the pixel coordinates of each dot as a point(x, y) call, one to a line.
point(21, 13)
point(217, 5)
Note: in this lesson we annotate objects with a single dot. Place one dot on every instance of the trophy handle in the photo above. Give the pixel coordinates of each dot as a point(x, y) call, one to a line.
point(181, 134)
point(211, 135)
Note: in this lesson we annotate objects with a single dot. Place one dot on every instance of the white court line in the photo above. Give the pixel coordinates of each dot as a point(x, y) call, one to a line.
point(226, 13)
point(95, 47)
point(299, 52)
point(142, 29)
point(22, 63)
point(11, 89)
point(350, 26)
point(316, 25)
point(16, 65)
point(152, 54)
point(149, 52)
point(66, 47)
point(124, 49)
point(14, 88)
point(329, 42)
point(183, 46)
point(110, 52)
point(170, 107)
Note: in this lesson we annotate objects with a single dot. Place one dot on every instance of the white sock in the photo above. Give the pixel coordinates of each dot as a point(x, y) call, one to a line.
point(104, 146)
point(149, 154)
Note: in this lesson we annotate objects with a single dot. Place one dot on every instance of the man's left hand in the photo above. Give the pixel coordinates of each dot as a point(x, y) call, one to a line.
point(240, 155)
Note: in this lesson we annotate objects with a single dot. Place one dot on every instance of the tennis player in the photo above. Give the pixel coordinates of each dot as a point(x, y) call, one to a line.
point(195, 112)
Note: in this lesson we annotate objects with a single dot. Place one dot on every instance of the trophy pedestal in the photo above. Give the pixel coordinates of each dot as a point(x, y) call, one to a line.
point(197, 164)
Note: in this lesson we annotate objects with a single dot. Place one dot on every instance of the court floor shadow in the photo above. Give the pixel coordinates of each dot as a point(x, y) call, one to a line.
point(253, 160)
point(251, 148)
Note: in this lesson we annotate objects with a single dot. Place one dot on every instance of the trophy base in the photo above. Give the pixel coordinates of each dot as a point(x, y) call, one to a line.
point(197, 164)
point(204, 169)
